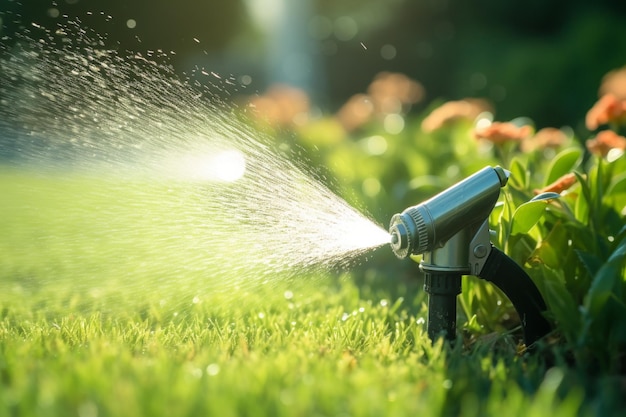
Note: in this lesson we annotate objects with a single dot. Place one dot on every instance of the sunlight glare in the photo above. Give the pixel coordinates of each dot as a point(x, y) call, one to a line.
point(226, 166)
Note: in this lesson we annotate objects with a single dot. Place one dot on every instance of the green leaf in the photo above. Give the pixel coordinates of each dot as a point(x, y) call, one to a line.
point(551, 250)
point(563, 163)
point(590, 261)
point(621, 235)
point(619, 254)
point(601, 289)
point(527, 215)
point(618, 185)
point(560, 302)
point(607, 281)
point(549, 196)
point(586, 211)
point(581, 210)
point(584, 185)
point(519, 174)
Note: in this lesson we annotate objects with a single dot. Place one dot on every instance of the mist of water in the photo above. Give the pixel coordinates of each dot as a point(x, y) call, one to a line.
point(167, 175)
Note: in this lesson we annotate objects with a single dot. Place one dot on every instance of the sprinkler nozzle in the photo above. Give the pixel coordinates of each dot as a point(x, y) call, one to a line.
point(399, 237)
point(429, 225)
point(451, 231)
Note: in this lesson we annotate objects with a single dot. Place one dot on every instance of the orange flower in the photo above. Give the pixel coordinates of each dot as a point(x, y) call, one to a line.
point(548, 137)
point(614, 82)
point(604, 142)
point(390, 92)
point(357, 111)
point(282, 105)
point(466, 109)
point(387, 94)
point(501, 132)
point(606, 110)
point(558, 186)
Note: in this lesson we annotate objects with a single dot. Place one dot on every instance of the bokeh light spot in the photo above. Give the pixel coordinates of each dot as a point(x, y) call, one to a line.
point(393, 123)
point(371, 187)
point(388, 52)
point(213, 369)
point(345, 28)
point(483, 120)
point(320, 27)
point(478, 81)
point(375, 145)
point(614, 154)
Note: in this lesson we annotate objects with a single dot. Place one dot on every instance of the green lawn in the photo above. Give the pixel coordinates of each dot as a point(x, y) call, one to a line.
point(102, 313)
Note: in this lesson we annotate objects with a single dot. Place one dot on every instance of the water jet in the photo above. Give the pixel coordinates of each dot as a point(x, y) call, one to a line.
point(176, 181)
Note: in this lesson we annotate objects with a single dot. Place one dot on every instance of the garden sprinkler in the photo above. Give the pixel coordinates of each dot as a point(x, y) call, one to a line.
point(451, 231)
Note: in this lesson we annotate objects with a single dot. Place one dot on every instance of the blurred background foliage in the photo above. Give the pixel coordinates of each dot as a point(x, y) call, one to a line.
point(532, 58)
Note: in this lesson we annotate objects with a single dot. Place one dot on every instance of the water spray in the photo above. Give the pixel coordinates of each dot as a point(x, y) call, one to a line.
point(451, 231)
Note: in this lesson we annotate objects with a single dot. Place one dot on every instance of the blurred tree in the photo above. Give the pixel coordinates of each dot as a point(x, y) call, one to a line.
point(158, 24)
point(290, 56)
point(537, 59)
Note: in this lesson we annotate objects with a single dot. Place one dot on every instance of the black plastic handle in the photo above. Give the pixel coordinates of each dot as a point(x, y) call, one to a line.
point(521, 290)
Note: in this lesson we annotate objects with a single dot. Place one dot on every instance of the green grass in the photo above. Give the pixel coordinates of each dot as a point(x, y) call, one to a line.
point(100, 317)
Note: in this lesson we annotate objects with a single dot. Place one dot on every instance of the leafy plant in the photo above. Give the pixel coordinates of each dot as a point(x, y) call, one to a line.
point(561, 215)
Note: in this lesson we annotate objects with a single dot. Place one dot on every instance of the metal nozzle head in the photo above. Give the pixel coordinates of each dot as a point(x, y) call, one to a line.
point(399, 239)
point(409, 234)
point(420, 229)
point(503, 175)
point(404, 236)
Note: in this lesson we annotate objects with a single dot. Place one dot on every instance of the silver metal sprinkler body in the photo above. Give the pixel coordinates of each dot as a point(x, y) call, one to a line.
point(451, 231)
